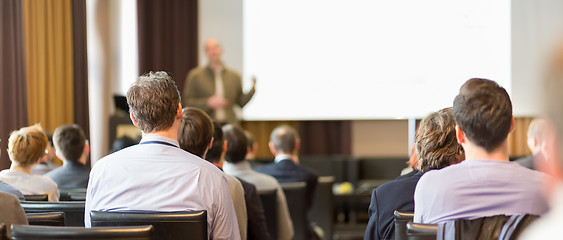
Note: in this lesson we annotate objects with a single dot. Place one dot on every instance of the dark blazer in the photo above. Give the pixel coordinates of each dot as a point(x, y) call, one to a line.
point(391, 196)
point(7, 188)
point(70, 175)
point(257, 228)
point(527, 161)
point(287, 171)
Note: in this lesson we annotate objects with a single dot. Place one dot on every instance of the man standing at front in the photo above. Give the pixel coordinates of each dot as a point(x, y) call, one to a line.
point(486, 183)
point(216, 89)
point(156, 175)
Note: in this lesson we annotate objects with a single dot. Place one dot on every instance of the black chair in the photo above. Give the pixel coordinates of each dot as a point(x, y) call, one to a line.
point(46, 218)
point(296, 196)
point(167, 225)
point(322, 211)
point(74, 211)
point(269, 200)
point(3, 232)
point(421, 231)
point(72, 194)
point(24, 232)
point(401, 219)
point(36, 197)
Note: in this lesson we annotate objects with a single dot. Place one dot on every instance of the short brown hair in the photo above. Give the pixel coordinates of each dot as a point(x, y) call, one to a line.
point(214, 153)
point(236, 143)
point(436, 143)
point(196, 131)
point(284, 138)
point(483, 111)
point(27, 145)
point(153, 99)
point(69, 141)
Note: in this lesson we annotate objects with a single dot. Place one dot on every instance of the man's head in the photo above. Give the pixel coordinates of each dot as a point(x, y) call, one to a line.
point(196, 131)
point(70, 142)
point(154, 102)
point(217, 150)
point(27, 145)
point(284, 140)
point(536, 132)
point(251, 146)
point(483, 112)
point(236, 144)
point(213, 50)
point(436, 143)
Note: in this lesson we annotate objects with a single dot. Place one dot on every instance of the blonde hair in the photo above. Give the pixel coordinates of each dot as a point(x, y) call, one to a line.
point(436, 143)
point(27, 145)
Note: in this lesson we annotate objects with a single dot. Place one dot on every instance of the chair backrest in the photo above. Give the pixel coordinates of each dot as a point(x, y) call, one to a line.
point(421, 231)
point(36, 197)
point(269, 201)
point(502, 227)
point(322, 211)
point(401, 219)
point(74, 211)
point(46, 218)
point(296, 196)
point(24, 232)
point(72, 194)
point(167, 225)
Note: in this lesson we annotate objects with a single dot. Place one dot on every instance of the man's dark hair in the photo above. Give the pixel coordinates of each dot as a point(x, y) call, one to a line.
point(284, 138)
point(153, 99)
point(236, 143)
point(483, 111)
point(196, 131)
point(69, 141)
point(214, 153)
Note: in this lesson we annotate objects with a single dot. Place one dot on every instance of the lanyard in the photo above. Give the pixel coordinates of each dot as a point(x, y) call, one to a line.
point(159, 142)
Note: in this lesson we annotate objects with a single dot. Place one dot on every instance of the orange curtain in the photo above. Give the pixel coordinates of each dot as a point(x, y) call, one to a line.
point(49, 62)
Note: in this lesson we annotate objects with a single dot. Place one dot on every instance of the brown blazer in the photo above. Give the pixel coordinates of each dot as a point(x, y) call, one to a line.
point(200, 85)
point(11, 211)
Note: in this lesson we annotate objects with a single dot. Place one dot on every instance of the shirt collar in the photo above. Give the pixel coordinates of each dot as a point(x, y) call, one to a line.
point(162, 139)
point(282, 157)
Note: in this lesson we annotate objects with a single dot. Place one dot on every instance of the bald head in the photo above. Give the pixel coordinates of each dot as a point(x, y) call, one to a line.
point(213, 51)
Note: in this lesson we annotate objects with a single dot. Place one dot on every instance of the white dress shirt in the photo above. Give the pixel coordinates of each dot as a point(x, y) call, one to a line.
point(31, 184)
point(156, 175)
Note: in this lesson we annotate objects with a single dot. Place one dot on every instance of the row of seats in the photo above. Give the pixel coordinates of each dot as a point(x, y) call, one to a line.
point(492, 227)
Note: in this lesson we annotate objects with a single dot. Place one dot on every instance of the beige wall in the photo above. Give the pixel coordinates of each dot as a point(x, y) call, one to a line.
point(382, 138)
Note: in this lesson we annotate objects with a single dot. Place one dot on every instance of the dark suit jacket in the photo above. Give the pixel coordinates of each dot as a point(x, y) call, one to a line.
point(287, 171)
point(527, 161)
point(257, 228)
point(391, 196)
point(70, 175)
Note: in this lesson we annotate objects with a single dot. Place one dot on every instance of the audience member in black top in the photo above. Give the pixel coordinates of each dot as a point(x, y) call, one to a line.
point(436, 148)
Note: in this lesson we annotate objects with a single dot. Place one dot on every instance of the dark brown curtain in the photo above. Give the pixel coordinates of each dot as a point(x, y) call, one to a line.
point(325, 137)
point(13, 95)
point(168, 37)
point(81, 108)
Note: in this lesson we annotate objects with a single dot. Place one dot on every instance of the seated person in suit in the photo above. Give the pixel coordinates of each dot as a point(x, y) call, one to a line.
point(536, 130)
point(486, 183)
point(197, 135)
point(72, 148)
point(236, 165)
point(284, 144)
point(25, 147)
point(436, 148)
point(156, 175)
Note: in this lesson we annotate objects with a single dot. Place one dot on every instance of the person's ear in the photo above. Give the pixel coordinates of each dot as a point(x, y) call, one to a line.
point(512, 124)
point(133, 119)
point(297, 146)
point(179, 113)
point(210, 143)
point(459, 135)
point(272, 148)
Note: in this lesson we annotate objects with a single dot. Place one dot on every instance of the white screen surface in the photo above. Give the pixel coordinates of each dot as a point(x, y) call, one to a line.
point(363, 59)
